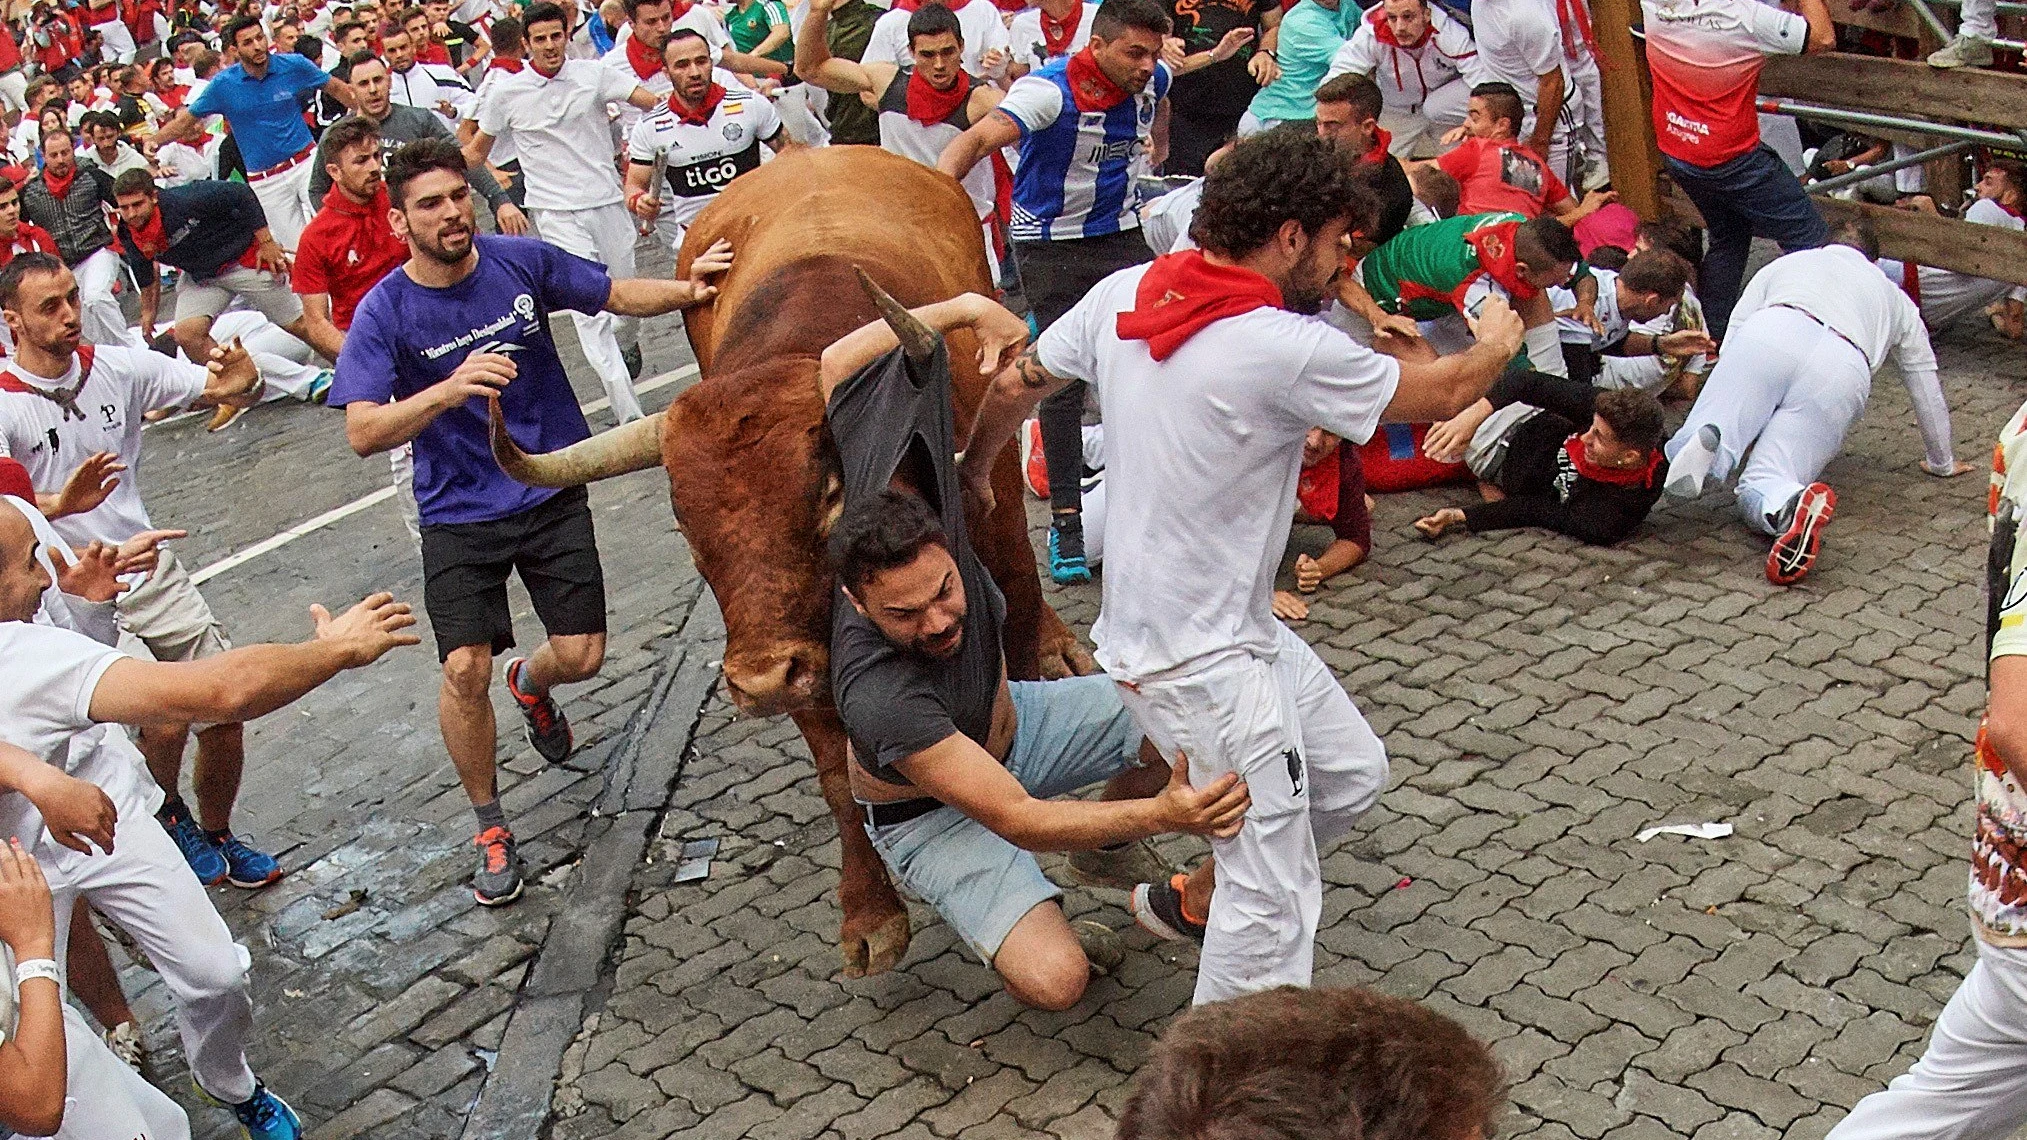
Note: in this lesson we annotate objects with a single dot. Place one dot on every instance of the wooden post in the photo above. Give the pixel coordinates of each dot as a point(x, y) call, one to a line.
point(1629, 125)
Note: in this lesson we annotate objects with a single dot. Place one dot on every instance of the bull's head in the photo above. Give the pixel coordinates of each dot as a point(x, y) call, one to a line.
point(753, 478)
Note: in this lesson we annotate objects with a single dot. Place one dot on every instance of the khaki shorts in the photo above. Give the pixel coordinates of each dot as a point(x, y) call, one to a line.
point(260, 289)
point(166, 619)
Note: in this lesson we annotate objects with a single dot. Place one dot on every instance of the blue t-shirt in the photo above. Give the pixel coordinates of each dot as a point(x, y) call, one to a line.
point(266, 117)
point(1310, 37)
point(406, 337)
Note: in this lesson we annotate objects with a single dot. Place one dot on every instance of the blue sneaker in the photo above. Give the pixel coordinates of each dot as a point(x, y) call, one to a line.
point(264, 1116)
point(204, 857)
point(1066, 558)
point(320, 386)
point(247, 869)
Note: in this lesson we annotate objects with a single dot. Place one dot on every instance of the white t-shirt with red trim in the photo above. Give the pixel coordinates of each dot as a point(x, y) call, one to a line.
point(50, 437)
point(1705, 57)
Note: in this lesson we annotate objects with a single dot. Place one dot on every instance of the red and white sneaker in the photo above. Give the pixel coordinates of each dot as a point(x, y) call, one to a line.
point(1795, 551)
point(1034, 465)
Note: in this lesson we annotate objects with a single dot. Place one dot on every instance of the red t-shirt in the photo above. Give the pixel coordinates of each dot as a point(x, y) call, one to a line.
point(345, 251)
point(28, 238)
point(1496, 174)
point(1705, 58)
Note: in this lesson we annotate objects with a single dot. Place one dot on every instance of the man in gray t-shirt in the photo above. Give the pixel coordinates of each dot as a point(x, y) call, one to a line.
point(400, 126)
point(955, 766)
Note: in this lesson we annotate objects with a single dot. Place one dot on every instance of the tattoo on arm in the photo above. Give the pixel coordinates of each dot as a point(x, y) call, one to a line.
point(1031, 371)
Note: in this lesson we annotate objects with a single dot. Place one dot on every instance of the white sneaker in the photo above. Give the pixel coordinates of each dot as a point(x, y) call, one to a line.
point(1690, 469)
point(1963, 51)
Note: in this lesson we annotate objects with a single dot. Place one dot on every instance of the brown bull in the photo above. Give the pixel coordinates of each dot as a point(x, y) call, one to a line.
point(753, 475)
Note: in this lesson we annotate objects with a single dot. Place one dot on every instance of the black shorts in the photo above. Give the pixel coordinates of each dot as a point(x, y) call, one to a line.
point(465, 566)
point(1056, 274)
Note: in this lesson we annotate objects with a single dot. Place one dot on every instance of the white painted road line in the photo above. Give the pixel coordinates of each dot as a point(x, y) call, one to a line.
point(276, 542)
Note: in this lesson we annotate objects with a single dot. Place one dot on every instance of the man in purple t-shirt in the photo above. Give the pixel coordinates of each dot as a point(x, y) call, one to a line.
point(466, 320)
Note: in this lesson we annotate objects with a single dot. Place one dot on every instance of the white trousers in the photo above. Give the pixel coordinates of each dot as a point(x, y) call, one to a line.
point(118, 41)
point(102, 318)
point(1971, 1081)
point(285, 198)
point(1979, 18)
point(1313, 767)
point(1590, 119)
point(604, 234)
point(14, 90)
point(287, 366)
point(104, 1099)
point(146, 887)
point(1417, 130)
point(1789, 389)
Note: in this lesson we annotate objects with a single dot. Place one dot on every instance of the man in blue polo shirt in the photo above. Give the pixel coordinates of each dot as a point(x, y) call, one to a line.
point(465, 321)
point(1080, 122)
point(259, 97)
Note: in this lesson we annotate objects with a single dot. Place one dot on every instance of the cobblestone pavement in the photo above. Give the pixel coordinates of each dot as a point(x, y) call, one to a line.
point(1541, 702)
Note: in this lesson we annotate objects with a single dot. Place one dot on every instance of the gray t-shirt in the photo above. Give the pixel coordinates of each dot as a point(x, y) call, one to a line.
point(895, 702)
point(404, 125)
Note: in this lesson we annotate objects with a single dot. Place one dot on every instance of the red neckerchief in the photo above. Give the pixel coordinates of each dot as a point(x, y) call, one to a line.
point(1384, 32)
point(1090, 87)
point(701, 115)
point(927, 105)
point(1616, 476)
point(1057, 34)
point(28, 238)
point(508, 65)
point(547, 74)
point(1316, 489)
point(65, 398)
point(1182, 292)
point(97, 17)
point(434, 53)
point(150, 239)
point(2010, 211)
point(1494, 244)
point(911, 5)
point(59, 187)
point(680, 9)
point(1575, 17)
point(646, 61)
point(14, 481)
point(1382, 141)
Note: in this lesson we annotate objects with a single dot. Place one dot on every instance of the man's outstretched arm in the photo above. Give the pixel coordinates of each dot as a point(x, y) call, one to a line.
point(242, 684)
point(998, 330)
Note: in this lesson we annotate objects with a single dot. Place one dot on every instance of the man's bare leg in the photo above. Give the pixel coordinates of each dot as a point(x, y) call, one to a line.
point(91, 973)
point(464, 711)
point(562, 660)
point(162, 746)
point(193, 336)
point(221, 760)
point(1041, 960)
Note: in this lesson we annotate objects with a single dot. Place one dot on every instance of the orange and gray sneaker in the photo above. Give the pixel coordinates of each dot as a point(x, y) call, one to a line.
point(1034, 466)
point(548, 730)
point(498, 881)
point(1795, 551)
point(1158, 908)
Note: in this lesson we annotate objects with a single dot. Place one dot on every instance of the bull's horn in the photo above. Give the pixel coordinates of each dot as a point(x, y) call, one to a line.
point(629, 447)
point(917, 339)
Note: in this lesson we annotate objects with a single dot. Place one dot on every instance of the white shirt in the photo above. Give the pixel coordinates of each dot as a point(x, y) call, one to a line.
point(924, 143)
point(47, 677)
point(1202, 454)
point(703, 160)
point(1519, 41)
point(1946, 295)
point(983, 32)
point(50, 442)
point(1029, 47)
point(1165, 221)
point(503, 149)
point(427, 84)
point(1574, 331)
point(1406, 75)
point(560, 131)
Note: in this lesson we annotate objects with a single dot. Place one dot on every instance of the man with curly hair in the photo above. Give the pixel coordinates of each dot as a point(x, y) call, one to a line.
point(1211, 372)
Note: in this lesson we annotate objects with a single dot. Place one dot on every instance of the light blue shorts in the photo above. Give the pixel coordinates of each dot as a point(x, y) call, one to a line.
point(1068, 734)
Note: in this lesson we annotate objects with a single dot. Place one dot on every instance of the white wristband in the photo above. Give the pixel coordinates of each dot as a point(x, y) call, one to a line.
point(36, 968)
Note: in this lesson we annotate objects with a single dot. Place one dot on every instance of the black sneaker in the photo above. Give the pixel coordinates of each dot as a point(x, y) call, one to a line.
point(498, 880)
point(548, 731)
point(1157, 907)
point(634, 363)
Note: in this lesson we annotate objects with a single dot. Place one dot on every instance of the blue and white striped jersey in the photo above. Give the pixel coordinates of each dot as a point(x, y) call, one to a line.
point(1076, 173)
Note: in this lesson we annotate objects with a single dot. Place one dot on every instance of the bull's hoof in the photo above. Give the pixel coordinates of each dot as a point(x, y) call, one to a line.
point(877, 950)
point(1065, 656)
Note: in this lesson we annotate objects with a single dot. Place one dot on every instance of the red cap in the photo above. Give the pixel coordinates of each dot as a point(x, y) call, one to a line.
point(14, 480)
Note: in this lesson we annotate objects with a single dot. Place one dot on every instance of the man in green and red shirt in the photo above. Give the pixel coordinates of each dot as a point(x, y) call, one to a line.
point(1448, 268)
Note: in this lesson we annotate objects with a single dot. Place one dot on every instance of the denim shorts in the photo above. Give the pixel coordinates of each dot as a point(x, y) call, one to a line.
point(1068, 734)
